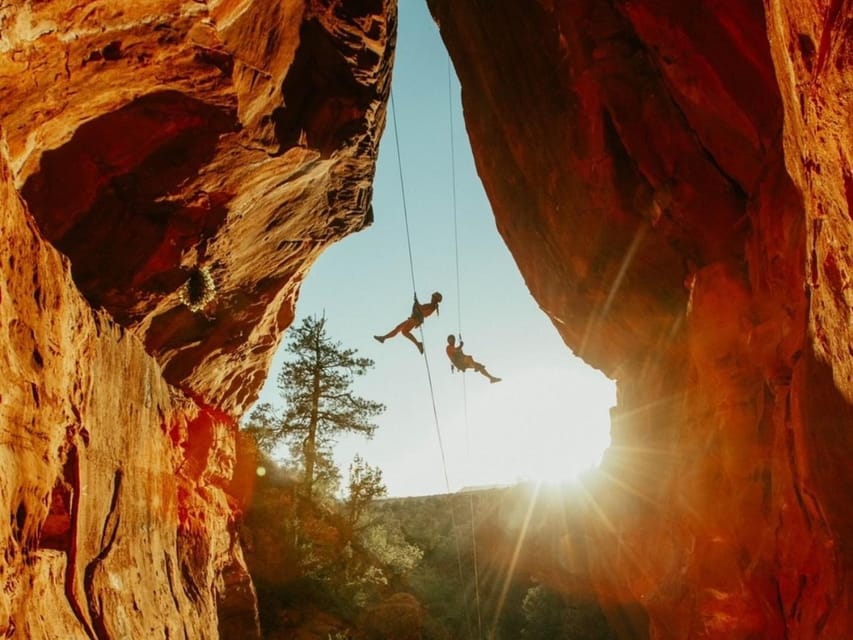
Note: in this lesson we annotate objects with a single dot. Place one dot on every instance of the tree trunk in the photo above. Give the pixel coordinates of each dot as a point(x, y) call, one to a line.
point(311, 440)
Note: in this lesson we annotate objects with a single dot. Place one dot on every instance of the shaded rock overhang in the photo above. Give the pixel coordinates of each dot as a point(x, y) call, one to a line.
point(150, 141)
point(155, 143)
point(673, 181)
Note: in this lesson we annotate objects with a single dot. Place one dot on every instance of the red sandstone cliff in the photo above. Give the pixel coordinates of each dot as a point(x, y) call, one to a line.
point(674, 181)
point(147, 141)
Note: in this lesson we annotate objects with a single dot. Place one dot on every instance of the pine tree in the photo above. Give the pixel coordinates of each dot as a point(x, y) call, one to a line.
point(365, 486)
point(261, 427)
point(317, 387)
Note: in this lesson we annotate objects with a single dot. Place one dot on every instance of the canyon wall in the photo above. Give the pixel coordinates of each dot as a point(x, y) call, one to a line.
point(169, 171)
point(674, 181)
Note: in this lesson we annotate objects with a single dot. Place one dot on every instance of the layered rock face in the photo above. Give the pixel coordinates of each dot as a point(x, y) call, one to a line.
point(674, 181)
point(157, 143)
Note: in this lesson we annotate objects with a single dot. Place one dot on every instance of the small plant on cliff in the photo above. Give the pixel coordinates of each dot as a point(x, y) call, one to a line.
point(198, 290)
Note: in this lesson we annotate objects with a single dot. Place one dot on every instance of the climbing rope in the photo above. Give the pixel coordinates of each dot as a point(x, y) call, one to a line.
point(403, 196)
point(426, 358)
point(459, 331)
point(453, 202)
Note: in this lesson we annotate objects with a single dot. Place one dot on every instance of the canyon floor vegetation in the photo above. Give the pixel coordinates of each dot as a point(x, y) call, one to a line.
point(335, 559)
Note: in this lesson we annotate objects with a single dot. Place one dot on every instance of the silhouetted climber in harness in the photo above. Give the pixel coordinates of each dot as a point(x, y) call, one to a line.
point(462, 361)
point(419, 312)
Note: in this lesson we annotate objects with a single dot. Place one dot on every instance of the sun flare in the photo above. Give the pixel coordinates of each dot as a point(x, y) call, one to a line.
point(544, 426)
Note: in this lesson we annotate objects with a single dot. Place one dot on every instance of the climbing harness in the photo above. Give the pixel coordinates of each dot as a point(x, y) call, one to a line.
point(417, 314)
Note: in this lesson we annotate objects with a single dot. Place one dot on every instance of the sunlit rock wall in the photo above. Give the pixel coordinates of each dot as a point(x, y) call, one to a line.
point(146, 140)
point(674, 181)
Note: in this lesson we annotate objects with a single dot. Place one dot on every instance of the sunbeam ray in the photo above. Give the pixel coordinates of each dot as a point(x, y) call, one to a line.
point(514, 560)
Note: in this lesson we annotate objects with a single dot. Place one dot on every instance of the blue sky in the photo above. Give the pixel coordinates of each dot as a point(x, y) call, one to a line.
point(549, 412)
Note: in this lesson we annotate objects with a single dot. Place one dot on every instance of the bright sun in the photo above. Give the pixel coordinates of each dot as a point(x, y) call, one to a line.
point(545, 426)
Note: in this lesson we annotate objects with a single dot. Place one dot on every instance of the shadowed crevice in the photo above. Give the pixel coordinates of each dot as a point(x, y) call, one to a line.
point(325, 103)
point(108, 539)
point(114, 198)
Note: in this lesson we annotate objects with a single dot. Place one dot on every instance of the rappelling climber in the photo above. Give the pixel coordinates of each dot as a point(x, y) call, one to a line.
point(415, 320)
point(462, 361)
